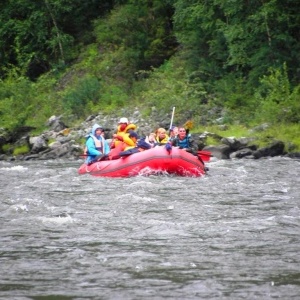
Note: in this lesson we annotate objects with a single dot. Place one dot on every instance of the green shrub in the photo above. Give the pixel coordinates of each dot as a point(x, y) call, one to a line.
point(21, 150)
point(6, 148)
point(278, 102)
point(15, 102)
point(86, 92)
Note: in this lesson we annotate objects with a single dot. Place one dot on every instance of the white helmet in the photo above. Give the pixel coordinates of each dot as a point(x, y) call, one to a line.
point(123, 120)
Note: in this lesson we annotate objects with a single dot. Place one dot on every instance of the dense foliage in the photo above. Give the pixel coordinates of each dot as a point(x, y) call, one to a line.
point(37, 35)
point(231, 60)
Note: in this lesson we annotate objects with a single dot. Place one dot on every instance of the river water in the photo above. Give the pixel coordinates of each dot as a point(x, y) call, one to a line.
point(232, 234)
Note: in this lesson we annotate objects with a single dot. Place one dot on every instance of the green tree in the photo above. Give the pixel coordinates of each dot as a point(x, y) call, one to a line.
point(35, 35)
point(246, 37)
point(141, 32)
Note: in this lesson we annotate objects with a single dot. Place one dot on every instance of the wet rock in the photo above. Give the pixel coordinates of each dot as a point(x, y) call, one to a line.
point(220, 152)
point(38, 143)
point(275, 149)
point(56, 124)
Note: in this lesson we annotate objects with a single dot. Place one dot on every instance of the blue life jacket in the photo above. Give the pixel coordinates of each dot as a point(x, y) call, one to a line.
point(185, 143)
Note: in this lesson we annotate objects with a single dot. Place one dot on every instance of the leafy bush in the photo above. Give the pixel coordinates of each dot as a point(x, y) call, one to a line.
point(277, 102)
point(15, 102)
point(85, 93)
point(23, 102)
point(169, 86)
point(114, 97)
point(291, 108)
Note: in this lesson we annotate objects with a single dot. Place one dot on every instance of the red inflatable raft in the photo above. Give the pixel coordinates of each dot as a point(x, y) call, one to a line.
point(154, 161)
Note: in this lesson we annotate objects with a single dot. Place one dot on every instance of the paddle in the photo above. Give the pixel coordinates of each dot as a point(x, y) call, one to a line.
point(205, 155)
point(101, 157)
point(168, 146)
point(172, 118)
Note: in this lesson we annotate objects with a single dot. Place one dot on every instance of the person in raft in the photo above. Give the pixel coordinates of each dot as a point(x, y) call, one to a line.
point(173, 133)
point(140, 145)
point(150, 139)
point(124, 146)
point(184, 141)
point(96, 145)
point(122, 134)
point(161, 136)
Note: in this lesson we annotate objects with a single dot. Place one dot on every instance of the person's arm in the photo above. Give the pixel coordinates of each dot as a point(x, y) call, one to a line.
point(118, 137)
point(192, 147)
point(106, 149)
point(175, 142)
point(128, 140)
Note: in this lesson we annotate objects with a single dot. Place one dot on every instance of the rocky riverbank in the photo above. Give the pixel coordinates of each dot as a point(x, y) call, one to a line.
point(62, 141)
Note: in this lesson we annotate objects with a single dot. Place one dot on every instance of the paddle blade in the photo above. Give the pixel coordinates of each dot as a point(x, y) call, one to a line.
point(205, 155)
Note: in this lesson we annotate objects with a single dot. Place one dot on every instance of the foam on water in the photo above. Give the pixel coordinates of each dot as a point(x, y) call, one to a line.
point(14, 168)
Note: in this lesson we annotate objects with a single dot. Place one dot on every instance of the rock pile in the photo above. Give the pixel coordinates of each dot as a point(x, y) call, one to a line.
point(60, 141)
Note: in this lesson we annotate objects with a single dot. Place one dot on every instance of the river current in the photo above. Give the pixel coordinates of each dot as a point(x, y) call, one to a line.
point(232, 234)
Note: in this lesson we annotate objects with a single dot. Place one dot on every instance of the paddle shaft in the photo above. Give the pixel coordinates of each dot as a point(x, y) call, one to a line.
point(172, 118)
point(101, 157)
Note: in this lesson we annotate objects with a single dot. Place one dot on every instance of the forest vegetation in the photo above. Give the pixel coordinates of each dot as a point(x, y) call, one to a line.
point(231, 62)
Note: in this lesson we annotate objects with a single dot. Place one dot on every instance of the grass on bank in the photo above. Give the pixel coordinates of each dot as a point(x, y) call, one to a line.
point(287, 133)
point(21, 150)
